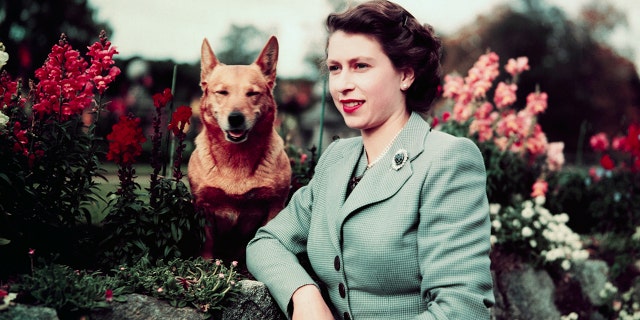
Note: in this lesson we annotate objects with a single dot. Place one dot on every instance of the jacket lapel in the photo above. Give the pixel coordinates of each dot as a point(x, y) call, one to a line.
point(382, 181)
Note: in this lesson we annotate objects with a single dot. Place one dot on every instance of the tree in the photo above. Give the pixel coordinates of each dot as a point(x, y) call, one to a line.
point(29, 29)
point(243, 44)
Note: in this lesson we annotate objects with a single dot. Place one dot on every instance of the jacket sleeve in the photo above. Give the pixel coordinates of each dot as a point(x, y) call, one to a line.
point(272, 253)
point(454, 235)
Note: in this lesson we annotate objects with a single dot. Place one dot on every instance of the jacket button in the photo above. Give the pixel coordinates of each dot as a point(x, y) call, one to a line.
point(347, 316)
point(343, 292)
point(336, 263)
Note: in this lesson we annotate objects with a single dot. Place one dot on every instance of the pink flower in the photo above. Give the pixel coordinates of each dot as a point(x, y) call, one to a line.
point(483, 128)
point(537, 143)
point(555, 156)
point(536, 102)
point(484, 111)
point(234, 264)
point(505, 95)
point(160, 290)
point(32, 251)
point(517, 66)
point(462, 112)
point(599, 142)
point(108, 295)
point(619, 143)
point(539, 188)
point(453, 86)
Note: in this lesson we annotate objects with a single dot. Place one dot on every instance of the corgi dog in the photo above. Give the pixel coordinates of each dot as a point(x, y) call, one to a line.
point(239, 172)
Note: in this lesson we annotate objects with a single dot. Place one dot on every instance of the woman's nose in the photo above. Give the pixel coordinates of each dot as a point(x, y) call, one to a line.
point(342, 82)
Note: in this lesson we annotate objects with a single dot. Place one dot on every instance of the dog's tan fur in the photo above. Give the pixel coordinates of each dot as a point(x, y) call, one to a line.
point(239, 171)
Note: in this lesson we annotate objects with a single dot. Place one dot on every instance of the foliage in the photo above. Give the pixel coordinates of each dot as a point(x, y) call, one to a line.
point(200, 283)
point(66, 290)
point(302, 167)
point(168, 224)
point(191, 282)
point(518, 159)
point(49, 152)
point(538, 236)
point(516, 152)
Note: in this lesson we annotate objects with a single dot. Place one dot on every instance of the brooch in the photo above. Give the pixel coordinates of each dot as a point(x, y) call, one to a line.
point(399, 159)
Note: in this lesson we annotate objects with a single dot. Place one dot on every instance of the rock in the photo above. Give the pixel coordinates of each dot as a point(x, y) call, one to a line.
point(139, 307)
point(592, 276)
point(252, 303)
point(24, 312)
point(255, 303)
point(528, 293)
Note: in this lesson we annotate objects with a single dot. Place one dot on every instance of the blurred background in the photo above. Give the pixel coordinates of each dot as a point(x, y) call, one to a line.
point(584, 54)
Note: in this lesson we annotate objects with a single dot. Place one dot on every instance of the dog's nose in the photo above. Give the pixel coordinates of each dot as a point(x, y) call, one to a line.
point(236, 119)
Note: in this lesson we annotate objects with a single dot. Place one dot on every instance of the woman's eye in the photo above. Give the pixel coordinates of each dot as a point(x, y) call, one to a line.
point(222, 92)
point(252, 93)
point(361, 65)
point(333, 68)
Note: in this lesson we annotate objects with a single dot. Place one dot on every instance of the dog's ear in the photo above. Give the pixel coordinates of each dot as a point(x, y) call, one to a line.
point(268, 59)
point(208, 61)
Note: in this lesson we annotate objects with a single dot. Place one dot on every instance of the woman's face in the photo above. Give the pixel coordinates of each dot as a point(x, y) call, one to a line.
point(363, 82)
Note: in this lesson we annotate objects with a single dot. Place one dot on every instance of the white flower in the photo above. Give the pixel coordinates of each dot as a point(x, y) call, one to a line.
point(4, 57)
point(562, 218)
point(516, 223)
point(533, 243)
point(527, 232)
point(537, 224)
point(540, 200)
point(496, 224)
point(493, 239)
point(527, 212)
point(636, 235)
point(566, 265)
point(4, 119)
point(494, 208)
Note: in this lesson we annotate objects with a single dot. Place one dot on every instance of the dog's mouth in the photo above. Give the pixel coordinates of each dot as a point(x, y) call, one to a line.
point(237, 136)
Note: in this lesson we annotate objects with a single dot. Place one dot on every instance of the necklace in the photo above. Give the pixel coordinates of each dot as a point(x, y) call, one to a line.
point(384, 152)
point(356, 179)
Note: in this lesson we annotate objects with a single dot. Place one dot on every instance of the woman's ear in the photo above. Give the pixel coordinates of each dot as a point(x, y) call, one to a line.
point(408, 75)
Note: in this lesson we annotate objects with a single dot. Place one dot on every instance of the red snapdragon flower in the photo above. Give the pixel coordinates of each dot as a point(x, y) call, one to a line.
point(125, 141)
point(599, 142)
point(161, 99)
point(63, 82)
point(108, 295)
point(102, 70)
point(180, 118)
point(606, 162)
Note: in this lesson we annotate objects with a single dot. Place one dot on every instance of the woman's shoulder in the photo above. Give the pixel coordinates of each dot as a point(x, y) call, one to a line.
point(340, 146)
point(438, 141)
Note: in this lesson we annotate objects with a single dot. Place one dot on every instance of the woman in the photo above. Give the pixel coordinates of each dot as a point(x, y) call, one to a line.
point(395, 223)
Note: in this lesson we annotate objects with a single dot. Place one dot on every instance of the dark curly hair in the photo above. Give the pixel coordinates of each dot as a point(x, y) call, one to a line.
point(406, 42)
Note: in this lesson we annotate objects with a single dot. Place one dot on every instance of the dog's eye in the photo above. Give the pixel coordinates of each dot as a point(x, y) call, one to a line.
point(252, 93)
point(222, 92)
